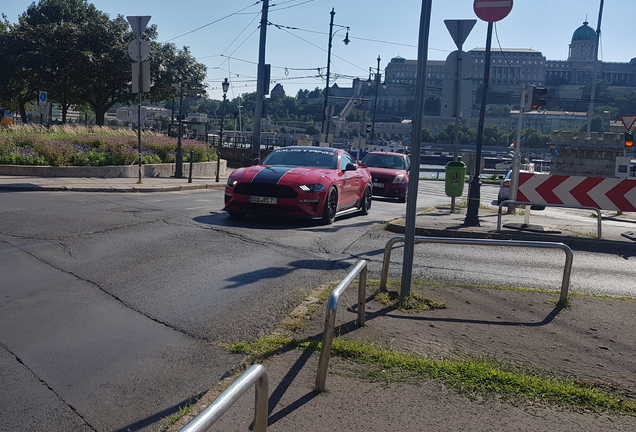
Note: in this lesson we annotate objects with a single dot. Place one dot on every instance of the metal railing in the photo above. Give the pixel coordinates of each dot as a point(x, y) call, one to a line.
point(330, 318)
point(503, 203)
point(256, 374)
point(569, 256)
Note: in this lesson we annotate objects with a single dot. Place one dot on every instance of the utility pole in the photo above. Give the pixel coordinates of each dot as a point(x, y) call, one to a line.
point(260, 84)
point(416, 133)
point(324, 110)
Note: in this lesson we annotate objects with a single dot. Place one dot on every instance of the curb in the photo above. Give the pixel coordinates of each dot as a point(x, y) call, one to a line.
point(577, 243)
point(117, 189)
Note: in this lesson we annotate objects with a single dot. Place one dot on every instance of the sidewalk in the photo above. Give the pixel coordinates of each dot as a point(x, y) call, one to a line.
point(118, 184)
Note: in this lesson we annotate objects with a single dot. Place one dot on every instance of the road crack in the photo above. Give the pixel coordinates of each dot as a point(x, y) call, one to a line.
point(44, 383)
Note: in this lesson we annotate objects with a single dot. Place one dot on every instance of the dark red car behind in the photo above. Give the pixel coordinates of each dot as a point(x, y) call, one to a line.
point(389, 174)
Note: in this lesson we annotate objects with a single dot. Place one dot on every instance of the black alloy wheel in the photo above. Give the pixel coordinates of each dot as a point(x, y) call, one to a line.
point(330, 207)
point(365, 204)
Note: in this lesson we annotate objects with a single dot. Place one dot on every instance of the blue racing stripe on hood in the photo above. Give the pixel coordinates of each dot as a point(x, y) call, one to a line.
point(271, 174)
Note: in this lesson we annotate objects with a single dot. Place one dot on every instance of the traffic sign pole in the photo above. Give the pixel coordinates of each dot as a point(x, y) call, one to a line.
point(459, 31)
point(138, 24)
point(490, 11)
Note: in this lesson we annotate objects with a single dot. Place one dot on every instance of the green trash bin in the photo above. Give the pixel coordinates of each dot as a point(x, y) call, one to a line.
point(455, 178)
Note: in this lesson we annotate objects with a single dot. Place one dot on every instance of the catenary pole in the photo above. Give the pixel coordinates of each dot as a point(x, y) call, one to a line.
point(416, 133)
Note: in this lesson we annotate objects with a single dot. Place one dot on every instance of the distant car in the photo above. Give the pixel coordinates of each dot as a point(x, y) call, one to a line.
point(389, 174)
point(306, 182)
point(504, 190)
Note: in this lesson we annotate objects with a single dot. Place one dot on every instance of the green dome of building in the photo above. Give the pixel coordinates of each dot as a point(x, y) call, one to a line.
point(584, 33)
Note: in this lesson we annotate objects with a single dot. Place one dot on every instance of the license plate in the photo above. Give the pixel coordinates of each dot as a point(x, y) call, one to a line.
point(262, 200)
point(378, 185)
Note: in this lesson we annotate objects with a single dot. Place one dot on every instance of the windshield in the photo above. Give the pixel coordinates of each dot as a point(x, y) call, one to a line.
point(384, 161)
point(314, 158)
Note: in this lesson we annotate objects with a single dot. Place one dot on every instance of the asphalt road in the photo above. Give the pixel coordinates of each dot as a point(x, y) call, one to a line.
point(110, 304)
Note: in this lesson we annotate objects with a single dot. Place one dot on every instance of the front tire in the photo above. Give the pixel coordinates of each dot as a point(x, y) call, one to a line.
point(402, 198)
point(365, 204)
point(330, 207)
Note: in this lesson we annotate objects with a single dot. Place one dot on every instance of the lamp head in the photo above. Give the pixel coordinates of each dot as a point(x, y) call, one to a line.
point(226, 85)
point(346, 39)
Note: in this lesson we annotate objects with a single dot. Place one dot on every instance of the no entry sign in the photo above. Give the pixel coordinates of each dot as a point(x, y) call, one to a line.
point(492, 10)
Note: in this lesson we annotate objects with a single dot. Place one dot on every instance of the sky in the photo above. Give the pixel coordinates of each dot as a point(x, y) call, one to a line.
point(224, 35)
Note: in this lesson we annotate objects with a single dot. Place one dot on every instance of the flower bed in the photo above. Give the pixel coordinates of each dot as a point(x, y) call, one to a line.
point(80, 146)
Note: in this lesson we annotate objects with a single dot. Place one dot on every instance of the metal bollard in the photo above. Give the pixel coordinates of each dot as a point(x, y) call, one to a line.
point(191, 165)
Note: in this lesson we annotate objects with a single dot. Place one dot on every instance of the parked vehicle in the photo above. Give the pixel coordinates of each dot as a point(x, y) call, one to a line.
point(389, 174)
point(307, 182)
point(504, 190)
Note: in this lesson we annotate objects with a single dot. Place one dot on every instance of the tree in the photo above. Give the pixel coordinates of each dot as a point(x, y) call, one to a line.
point(50, 37)
point(427, 136)
point(79, 56)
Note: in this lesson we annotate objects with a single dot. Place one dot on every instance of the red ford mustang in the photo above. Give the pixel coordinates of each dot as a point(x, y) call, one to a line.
point(390, 173)
point(312, 182)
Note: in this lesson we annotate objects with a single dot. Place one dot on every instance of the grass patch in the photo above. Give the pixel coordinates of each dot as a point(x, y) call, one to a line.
point(175, 417)
point(463, 203)
point(487, 378)
point(470, 376)
point(395, 283)
point(412, 303)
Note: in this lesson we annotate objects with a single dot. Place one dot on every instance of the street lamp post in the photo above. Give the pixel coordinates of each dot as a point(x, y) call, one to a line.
point(226, 86)
point(346, 42)
point(375, 105)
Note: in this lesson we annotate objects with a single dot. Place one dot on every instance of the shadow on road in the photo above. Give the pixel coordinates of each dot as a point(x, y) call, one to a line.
point(278, 272)
point(260, 222)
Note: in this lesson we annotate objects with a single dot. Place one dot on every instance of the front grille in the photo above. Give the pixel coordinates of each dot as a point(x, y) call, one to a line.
point(383, 179)
point(265, 190)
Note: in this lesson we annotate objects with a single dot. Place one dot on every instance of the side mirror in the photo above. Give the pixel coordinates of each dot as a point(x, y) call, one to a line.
point(351, 167)
point(256, 161)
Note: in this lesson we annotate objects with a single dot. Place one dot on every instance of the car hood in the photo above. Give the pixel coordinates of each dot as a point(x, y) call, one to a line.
point(386, 172)
point(275, 174)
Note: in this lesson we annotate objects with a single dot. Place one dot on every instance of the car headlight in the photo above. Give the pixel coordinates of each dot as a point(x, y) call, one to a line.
point(231, 182)
point(312, 188)
point(399, 178)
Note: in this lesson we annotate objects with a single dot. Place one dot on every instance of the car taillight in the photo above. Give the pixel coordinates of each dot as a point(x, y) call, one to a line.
point(506, 184)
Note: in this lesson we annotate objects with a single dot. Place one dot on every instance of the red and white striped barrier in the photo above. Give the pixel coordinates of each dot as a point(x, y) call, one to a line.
point(602, 193)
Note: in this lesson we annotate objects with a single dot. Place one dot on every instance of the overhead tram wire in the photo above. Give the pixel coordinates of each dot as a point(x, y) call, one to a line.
point(506, 58)
point(271, 8)
point(285, 29)
point(359, 38)
point(215, 21)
